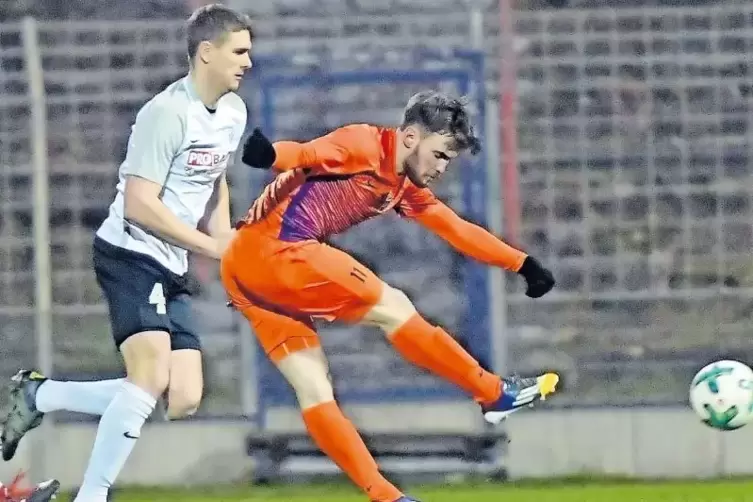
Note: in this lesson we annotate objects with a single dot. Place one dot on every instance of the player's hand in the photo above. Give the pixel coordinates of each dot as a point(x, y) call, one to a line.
point(540, 281)
point(258, 151)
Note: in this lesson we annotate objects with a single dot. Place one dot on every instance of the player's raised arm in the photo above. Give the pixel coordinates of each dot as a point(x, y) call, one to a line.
point(435, 130)
point(474, 241)
point(156, 138)
point(329, 154)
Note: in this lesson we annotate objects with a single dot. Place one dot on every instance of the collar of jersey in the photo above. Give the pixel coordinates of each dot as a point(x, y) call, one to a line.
point(191, 90)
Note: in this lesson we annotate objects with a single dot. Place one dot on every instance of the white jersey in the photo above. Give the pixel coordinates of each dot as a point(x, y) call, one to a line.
point(180, 144)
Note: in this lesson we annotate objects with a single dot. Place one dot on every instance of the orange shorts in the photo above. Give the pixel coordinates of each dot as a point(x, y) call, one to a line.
point(281, 287)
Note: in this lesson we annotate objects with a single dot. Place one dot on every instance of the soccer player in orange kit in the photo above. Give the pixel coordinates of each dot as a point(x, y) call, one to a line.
point(279, 272)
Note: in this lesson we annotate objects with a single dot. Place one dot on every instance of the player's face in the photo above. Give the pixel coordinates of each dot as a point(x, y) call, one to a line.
point(229, 59)
point(429, 159)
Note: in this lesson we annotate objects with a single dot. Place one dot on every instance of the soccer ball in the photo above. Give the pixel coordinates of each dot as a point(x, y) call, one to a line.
point(721, 394)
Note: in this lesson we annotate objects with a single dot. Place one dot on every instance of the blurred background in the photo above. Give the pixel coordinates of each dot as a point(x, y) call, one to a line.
point(618, 150)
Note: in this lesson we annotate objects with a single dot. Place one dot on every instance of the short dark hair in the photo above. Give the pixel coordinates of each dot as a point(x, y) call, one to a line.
point(212, 22)
point(436, 112)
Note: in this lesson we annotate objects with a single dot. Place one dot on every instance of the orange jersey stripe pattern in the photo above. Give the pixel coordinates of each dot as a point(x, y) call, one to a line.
point(330, 184)
point(337, 181)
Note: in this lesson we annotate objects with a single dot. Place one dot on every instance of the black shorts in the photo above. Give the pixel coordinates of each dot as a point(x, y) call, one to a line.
point(142, 295)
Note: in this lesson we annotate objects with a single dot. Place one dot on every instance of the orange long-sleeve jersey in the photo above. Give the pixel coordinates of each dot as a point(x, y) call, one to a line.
point(350, 175)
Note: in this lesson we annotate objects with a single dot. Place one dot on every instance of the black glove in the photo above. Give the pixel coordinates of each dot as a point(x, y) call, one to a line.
point(540, 280)
point(258, 151)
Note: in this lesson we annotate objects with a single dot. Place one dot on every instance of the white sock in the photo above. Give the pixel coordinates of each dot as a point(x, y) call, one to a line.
point(118, 430)
point(82, 397)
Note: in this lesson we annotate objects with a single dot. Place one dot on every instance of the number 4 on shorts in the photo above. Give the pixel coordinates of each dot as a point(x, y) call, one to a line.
point(157, 298)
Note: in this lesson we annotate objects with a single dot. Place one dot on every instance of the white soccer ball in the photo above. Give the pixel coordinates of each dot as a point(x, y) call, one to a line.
point(721, 394)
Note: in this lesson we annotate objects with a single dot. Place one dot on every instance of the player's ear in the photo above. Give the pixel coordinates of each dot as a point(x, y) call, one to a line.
point(204, 51)
point(411, 137)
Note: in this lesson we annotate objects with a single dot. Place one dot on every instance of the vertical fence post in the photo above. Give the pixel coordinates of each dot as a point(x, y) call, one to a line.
point(508, 105)
point(41, 210)
point(494, 210)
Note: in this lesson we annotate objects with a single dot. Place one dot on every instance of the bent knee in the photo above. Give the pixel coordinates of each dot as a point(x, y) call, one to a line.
point(183, 402)
point(307, 372)
point(314, 393)
point(393, 310)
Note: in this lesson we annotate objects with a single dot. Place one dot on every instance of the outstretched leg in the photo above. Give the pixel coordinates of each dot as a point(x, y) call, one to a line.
point(32, 395)
point(433, 349)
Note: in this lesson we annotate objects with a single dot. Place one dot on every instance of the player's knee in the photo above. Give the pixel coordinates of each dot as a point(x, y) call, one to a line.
point(393, 310)
point(314, 392)
point(183, 401)
point(186, 380)
point(147, 361)
point(307, 373)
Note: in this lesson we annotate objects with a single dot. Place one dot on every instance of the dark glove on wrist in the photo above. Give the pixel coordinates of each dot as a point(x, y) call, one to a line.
point(258, 151)
point(539, 280)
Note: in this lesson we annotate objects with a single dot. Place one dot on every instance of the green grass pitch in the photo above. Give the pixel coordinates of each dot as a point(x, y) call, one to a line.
point(570, 491)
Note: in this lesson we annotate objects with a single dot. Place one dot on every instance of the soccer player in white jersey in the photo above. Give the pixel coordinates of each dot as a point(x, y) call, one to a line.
point(172, 178)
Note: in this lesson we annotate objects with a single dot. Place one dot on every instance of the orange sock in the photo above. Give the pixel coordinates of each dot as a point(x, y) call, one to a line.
point(336, 436)
point(433, 349)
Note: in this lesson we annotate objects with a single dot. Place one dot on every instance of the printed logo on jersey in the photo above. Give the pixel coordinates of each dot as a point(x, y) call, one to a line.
point(206, 159)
